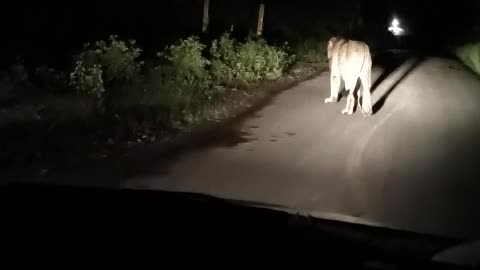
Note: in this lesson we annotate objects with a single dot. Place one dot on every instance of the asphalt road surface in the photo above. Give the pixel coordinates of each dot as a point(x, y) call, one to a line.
point(413, 165)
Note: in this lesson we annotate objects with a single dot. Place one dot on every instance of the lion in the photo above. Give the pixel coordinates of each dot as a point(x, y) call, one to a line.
point(350, 60)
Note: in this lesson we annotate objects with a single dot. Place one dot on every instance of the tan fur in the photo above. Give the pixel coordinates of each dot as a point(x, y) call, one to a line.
point(350, 60)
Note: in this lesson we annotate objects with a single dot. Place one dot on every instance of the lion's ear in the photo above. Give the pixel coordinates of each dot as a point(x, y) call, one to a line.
point(330, 46)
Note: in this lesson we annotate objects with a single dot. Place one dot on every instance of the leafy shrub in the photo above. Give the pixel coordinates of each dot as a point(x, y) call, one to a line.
point(181, 82)
point(119, 59)
point(189, 65)
point(224, 59)
point(276, 60)
point(106, 66)
point(235, 63)
point(88, 79)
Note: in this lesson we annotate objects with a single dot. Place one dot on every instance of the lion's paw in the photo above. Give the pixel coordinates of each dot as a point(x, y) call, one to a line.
point(330, 100)
point(347, 111)
point(367, 110)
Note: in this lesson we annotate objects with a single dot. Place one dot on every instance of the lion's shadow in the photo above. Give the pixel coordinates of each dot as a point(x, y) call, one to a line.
point(412, 60)
point(389, 62)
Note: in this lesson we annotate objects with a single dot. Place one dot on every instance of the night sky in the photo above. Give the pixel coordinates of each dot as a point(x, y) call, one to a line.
point(47, 30)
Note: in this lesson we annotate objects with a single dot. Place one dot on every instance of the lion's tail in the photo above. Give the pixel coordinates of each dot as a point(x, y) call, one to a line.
point(367, 59)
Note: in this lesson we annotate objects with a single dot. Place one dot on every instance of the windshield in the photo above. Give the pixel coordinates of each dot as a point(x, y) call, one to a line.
point(360, 111)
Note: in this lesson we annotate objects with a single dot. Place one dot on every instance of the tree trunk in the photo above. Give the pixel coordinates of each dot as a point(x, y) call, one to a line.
point(261, 12)
point(206, 7)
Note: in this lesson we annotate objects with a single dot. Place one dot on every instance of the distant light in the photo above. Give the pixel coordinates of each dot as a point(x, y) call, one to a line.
point(395, 23)
point(395, 27)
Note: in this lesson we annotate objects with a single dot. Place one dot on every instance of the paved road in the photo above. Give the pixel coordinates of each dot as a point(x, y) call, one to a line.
point(413, 165)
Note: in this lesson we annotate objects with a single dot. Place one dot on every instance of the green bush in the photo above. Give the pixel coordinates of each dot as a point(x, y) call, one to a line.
point(470, 56)
point(189, 65)
point(257, 60)
point(107, 66)
point(181, 82)
point(224, 59)
point(88, 79)
point(235, 63)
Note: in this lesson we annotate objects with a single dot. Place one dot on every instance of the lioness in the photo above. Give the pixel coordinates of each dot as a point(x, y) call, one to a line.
point(350, 60)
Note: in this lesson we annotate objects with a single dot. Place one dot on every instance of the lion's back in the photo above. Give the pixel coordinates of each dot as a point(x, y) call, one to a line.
point(352, 58)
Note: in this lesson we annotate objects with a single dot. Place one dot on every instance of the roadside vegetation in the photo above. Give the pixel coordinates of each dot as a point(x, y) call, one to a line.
point(470, 55)
point(116, 94)
point(467, 48)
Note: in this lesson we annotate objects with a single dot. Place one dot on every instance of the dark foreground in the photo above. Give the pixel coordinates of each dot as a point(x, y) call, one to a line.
point(78, 228)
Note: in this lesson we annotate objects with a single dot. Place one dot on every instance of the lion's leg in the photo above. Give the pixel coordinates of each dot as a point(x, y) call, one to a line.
point(335, 82)
point(365, 78)
point(350, 85)
point(350, 102)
